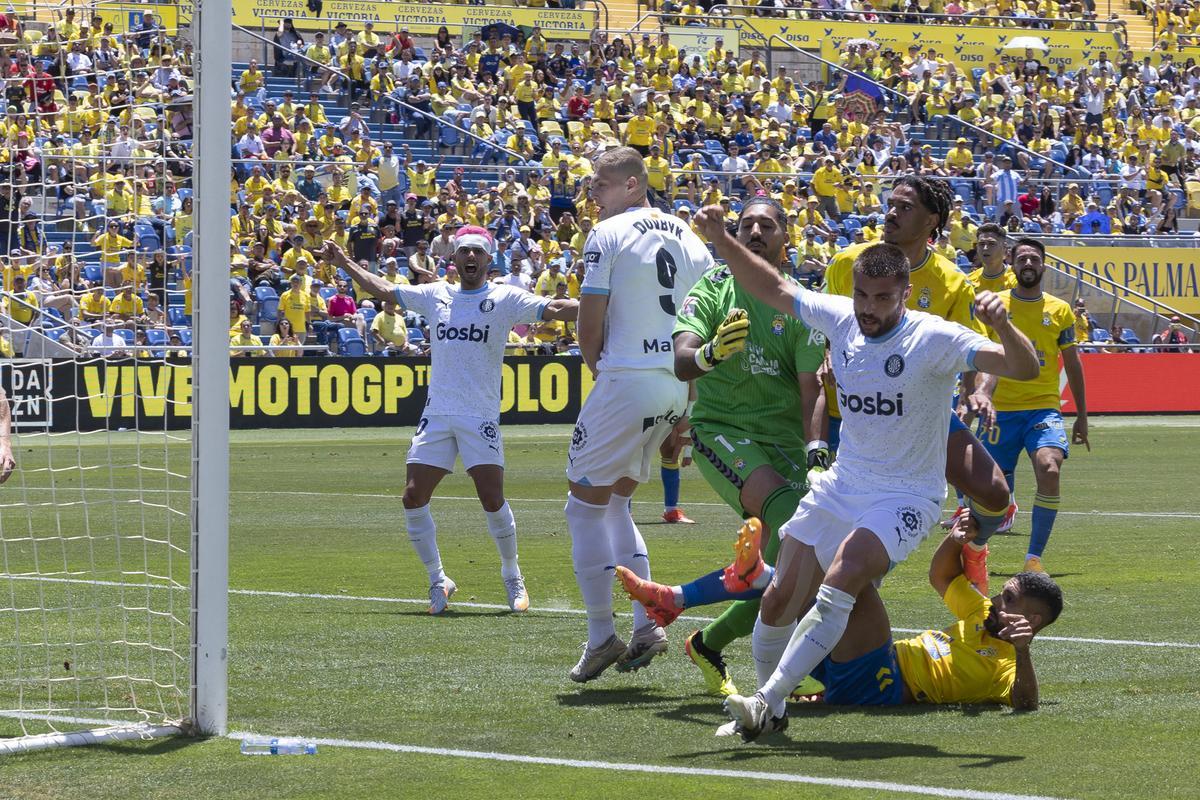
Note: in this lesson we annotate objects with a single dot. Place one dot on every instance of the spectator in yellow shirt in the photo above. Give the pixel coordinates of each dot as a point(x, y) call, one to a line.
point(126, 306)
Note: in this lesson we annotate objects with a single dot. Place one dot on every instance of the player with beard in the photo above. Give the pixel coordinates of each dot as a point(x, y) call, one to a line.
point(469, 325)
point(918, 209)
point(984, 657)
point(877, 502)
point(1027, 412)
point(755, 376)
point(639, 264)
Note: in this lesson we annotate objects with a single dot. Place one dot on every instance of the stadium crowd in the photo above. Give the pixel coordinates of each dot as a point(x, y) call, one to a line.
point(98, 137)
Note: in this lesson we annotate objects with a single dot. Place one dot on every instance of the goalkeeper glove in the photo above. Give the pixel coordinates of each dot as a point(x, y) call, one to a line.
point(819, 457)
point(729, 341)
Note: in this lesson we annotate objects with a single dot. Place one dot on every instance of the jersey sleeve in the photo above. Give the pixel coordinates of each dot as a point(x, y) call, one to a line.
point(413, 298)
point(1066, 334)
point(809, 349)
point(699, 309)
point(956, 344)
point(599, 252)
point(820, 311)
point(963, 600)
point(962, 309)
point(524, 307)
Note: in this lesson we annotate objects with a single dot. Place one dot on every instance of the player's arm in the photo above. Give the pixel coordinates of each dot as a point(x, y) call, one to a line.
point(590, 328)
point(760, 279)
point(1024, 695)
point(1074, 369)
point(977, 403)
point(1014, 356)
point(379, 287)
point(947, 559)
point(815, 420)
point(694, 358)
point(7, 463)
point(561, 311)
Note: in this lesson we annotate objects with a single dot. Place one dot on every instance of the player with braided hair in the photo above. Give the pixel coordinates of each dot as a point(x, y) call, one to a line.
point(918, 209)
point(755, 374)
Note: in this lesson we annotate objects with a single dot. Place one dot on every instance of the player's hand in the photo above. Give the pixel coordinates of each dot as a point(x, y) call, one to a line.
point(710, 222)
point(962, 527)
point(729, 340)
point(825, 372)
point(1079, 433)
point(819, 459)
point(7, 464)
point(977, 406)
point(1016, 631)
point(990, 310)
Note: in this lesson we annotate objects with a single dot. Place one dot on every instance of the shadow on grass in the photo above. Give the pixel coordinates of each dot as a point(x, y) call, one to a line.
point(639, 696)
point(736, 751)
point(1055, 575)
point(156, 747)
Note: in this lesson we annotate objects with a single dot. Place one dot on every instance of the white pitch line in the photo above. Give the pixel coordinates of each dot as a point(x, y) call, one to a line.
point(354, 598)
point(662, 769)
point(607, 766)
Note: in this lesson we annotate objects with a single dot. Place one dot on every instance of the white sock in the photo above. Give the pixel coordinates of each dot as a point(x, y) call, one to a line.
point(422, 532)
point(629, 548)
point(503, 529)
point(813, 639)
point(592, 555)
point(678, 592)
point(767, 645)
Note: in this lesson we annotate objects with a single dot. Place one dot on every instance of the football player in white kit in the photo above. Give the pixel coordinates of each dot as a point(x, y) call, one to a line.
point(469, 326)
point(878, 501)
point(640, 264)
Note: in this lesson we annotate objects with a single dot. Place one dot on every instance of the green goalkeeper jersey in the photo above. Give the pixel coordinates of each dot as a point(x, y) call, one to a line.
point(754, 393)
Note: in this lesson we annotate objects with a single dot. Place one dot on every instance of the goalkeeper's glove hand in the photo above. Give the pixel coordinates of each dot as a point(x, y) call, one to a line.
point(729, 341)
point(819, 457)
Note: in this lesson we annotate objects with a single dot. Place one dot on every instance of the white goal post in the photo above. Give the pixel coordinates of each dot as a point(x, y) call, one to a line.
point(114, 524)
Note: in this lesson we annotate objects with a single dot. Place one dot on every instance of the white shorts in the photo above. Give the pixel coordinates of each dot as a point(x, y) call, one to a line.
point(832, 509)
point(622, 424)
point(440, 439)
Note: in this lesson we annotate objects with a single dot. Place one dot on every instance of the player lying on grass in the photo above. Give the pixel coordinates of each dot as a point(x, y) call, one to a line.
point(982, 658)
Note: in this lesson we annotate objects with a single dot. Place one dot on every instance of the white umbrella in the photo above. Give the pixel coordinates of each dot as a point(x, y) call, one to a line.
point(1027, 43)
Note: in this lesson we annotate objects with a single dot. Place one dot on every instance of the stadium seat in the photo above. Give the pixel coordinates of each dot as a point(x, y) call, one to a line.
point(415, 335)
point(176, 318)
point(350, 343)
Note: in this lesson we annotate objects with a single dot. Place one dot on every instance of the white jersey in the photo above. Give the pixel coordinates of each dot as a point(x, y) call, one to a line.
point(893, 394)
point(646, 261)
point(467, 334)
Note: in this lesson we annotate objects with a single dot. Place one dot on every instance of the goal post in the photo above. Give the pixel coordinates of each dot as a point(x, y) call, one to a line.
point(210, 369)
point(114, 524)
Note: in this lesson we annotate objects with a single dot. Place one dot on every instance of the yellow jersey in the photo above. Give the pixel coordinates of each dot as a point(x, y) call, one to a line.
point(938, 286)
point(1050, 325)
point(986, 283)
point(294, 304)
point(639, 131)
point(962, 663)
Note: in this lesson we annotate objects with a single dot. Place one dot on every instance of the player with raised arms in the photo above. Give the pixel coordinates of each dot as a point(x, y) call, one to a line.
point(918, 209)
point(639, 264)
point(469, 325)
point(877, 502)
point(755, 376)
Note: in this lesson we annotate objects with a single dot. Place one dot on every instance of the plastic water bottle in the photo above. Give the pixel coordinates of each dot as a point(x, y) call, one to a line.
point(277, 746)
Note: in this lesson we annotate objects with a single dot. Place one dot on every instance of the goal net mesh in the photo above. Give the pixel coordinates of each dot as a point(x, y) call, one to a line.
point(95, 524)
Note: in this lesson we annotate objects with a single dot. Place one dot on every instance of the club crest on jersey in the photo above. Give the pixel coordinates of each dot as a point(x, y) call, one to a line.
point(777, 325)
point(487, 305)
point(894, 365)
point(926, 298)
point(1046, 319)
point(688, 309)
point(489, 432)
point(739, 464)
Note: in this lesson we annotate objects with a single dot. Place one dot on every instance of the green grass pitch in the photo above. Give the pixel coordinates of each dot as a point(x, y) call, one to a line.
point(318, 513)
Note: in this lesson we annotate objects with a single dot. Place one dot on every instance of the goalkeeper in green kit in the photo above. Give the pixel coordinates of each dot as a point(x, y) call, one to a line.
point(756, 429)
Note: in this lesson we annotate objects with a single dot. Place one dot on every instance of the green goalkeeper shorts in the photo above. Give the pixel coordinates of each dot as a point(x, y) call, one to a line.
point(726, 460)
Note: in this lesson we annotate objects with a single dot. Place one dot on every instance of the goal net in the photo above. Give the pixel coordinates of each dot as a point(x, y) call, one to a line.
point(102, 539)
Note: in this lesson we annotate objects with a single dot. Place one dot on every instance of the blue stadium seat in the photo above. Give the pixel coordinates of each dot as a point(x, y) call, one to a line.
point(1100, 335)
point(177, 318)
point(268, 303)
point(415, 335)
point(124, 333)
point(327, 292)
point(350, 343)
point(156, 336)
point(92, 273)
